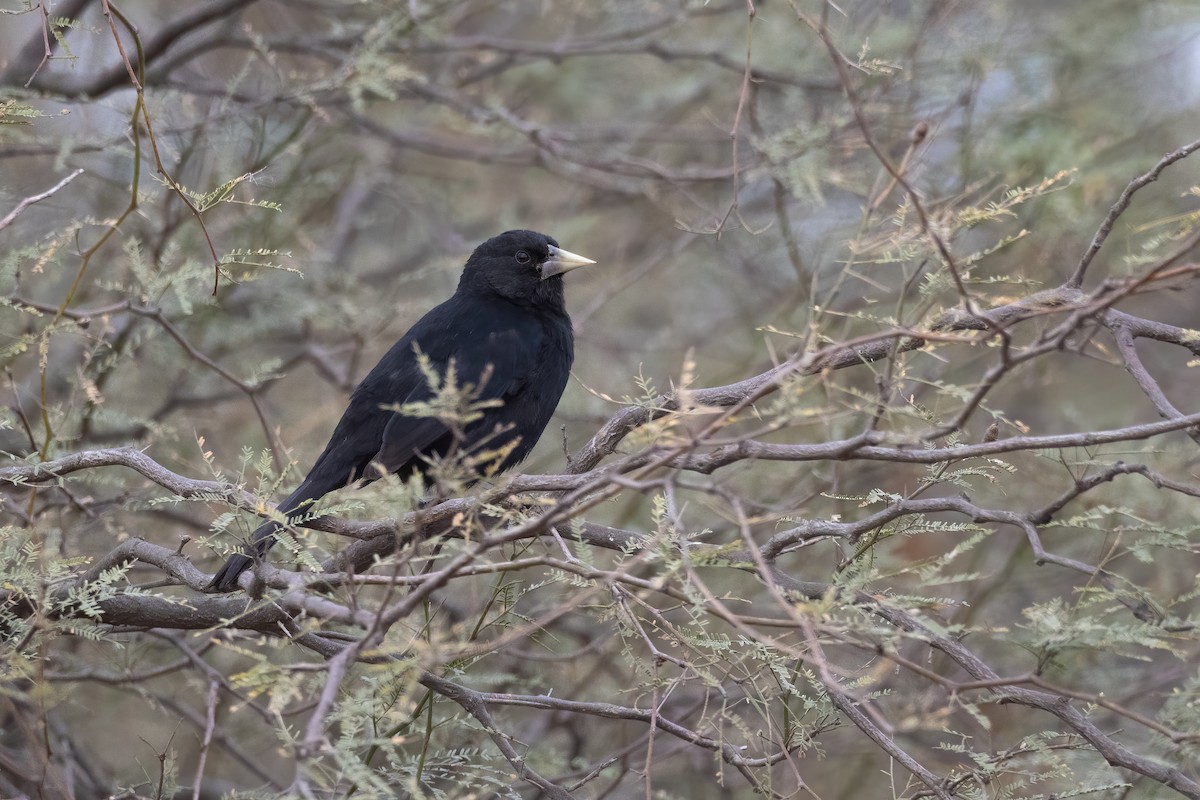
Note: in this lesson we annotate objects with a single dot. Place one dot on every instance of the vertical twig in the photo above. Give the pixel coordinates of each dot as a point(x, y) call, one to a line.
point(210, 724)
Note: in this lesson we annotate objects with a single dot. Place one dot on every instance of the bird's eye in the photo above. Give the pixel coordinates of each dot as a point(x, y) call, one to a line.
point(522, 257)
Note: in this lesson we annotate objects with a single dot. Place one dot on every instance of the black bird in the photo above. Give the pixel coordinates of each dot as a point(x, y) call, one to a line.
point(505, 330)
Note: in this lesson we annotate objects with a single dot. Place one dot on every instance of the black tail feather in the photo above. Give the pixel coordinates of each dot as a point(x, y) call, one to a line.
point(226, 579)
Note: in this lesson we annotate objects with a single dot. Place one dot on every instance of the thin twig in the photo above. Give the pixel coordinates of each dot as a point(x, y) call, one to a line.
point(37, 198)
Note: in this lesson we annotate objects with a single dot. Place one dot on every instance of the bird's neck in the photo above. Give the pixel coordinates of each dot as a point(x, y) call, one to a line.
point(548, 301)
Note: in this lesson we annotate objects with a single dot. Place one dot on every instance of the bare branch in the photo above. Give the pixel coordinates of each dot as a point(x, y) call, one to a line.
point(37, 198)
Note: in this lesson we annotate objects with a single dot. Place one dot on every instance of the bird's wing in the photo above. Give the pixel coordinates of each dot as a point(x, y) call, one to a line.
point(496, 363)
point(350, 450)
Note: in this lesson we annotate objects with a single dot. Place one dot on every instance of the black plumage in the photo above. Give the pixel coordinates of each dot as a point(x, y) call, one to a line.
point(505, 330)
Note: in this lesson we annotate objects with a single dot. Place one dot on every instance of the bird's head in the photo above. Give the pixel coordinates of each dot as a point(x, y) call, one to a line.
point(525, 267)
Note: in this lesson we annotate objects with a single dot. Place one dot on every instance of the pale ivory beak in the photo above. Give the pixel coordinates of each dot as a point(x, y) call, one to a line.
point(561, 261)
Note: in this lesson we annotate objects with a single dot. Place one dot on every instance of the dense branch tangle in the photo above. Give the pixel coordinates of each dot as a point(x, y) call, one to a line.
point(699, 579)
point(661, 581)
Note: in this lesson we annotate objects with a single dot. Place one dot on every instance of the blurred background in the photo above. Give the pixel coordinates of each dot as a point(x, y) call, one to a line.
point(340, 160)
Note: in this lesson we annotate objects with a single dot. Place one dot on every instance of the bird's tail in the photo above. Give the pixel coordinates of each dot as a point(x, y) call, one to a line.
point(226, 579)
